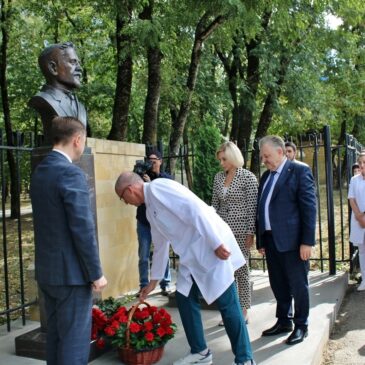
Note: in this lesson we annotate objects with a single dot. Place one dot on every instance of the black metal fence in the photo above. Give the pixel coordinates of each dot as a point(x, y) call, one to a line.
point(331, 166)
point(17, 249)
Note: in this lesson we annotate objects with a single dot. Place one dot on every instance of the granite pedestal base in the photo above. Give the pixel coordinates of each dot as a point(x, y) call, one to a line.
point(33, 344)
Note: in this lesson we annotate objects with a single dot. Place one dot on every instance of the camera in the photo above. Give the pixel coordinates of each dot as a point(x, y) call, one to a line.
point(144, 167)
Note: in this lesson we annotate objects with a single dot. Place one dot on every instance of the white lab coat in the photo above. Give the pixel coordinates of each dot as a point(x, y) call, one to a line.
point(195, 230)
point(357, 192)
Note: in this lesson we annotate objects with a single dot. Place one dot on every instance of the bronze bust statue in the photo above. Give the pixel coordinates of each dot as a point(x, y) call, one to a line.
point(61, 68)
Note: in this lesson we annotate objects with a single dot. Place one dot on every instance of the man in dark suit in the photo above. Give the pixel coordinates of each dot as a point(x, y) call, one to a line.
point(286, 220)
point(61, 68)
point(67, 264)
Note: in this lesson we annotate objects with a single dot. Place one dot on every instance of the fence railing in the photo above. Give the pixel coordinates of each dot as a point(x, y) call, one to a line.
point(331, 166)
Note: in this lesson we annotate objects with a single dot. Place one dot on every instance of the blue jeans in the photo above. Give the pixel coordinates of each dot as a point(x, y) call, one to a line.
point(229, 307)
point(144, 249)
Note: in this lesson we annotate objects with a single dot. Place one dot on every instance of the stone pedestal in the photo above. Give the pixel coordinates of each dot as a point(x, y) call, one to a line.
point(33, 344)
point(102, 162)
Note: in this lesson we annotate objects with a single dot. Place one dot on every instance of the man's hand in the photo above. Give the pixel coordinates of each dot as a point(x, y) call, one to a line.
point(261, 251)
point(147, 289)
point(222, 252)
point(305, 252)
point(100, 284)
point(146, 178)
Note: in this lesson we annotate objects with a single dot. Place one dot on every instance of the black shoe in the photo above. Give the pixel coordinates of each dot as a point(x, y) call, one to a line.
point(164, 292)
point(297, 336)
point(278, 328)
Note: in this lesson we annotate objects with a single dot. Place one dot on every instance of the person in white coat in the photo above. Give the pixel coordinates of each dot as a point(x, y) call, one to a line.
point(356, 196)
point(209, 256)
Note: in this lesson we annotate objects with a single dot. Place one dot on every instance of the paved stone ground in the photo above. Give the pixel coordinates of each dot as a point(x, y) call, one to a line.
point(347, 340)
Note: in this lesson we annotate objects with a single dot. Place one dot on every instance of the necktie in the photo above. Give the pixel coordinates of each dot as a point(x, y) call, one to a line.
point(262, 202)
point(73, 104)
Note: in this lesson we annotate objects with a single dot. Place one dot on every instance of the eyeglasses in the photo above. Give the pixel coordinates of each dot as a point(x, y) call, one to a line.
point(123, 191)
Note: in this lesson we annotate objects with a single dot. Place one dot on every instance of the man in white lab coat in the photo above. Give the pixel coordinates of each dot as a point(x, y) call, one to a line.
point(209, 256)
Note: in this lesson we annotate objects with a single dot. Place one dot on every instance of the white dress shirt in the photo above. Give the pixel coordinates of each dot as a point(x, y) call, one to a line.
point(62, 153)
point(357, 192)
point(267, 203)
point(195, 231)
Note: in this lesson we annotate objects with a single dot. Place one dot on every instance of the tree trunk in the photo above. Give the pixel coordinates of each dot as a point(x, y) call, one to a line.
point(202, 32)
point(232, 75)
point(268, 111)
point(153, 96)
point(5, 9)
point(189, 176)
point(154, 57)
point(123, 88)
point(248, 98)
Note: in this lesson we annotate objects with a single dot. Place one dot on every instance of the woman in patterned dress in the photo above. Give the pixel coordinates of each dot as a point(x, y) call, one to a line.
point(235, 199)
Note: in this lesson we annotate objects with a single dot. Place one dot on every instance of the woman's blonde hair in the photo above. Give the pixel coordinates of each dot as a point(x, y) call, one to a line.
point(232, 153)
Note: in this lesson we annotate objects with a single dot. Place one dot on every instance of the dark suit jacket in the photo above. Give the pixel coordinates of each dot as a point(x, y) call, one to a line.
point(66, 250)
point(292, 208)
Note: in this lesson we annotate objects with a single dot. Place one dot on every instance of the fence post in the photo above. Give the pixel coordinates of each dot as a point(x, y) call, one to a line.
point(329, 193)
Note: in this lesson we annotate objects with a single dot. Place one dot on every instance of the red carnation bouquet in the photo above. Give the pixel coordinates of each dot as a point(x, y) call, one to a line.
point(148, 327)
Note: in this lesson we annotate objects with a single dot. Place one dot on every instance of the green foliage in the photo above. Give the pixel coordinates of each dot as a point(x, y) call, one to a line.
point(207, 140)
point(324, 81)
point(110, 305)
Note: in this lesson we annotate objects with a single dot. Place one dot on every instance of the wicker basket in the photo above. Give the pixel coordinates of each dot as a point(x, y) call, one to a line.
point(143, 357)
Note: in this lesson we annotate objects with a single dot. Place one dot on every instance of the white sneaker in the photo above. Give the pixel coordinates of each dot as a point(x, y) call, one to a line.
point(361, 287)
point(248, 362)
point(196, 359)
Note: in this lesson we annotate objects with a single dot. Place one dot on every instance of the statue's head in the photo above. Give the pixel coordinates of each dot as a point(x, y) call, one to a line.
point(61, 66)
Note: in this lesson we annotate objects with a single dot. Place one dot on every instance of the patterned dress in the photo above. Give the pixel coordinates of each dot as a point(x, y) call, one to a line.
point(236, 205)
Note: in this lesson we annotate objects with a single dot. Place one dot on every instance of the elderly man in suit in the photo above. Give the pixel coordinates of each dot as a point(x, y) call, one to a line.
point(208, 257)
point(286, 220)
point(61, 68)
point(67, 265)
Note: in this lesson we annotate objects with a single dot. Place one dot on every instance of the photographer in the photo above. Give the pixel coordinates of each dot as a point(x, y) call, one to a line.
point(149, 171)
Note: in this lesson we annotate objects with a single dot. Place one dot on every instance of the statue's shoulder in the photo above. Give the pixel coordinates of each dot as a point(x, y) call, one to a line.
point(50, 94)
point(47, 100)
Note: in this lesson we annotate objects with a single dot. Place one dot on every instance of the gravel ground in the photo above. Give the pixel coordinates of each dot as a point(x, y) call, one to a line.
point(347, 341)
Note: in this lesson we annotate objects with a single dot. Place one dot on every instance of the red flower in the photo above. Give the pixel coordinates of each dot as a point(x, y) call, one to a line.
point(161, 331)
point(109, 331)
point(99, 318)
point(115, 324)
point(148, 326)
point(122, 310)
point(152, 309)
point(157, 318)
point(134, 327)
point(123, 319)
point(166, 322)
point(100, 343)
point(141, 314)
point(149, 336)
point(169, 330)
